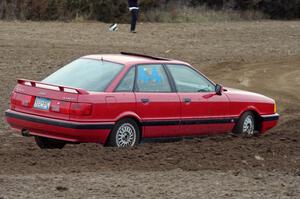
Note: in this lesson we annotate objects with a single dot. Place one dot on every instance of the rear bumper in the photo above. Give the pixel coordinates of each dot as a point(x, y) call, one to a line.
point(269, 121)
point(59, 129)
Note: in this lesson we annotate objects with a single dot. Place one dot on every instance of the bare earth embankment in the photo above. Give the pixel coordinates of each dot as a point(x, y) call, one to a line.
point(258, 56)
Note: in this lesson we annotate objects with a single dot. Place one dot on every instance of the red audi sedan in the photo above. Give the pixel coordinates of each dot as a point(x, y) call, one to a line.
point(118, 100)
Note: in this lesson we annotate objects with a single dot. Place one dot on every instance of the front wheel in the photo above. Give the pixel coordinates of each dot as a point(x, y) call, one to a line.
point(246, 125)
point(126, 133)
point(48, 143)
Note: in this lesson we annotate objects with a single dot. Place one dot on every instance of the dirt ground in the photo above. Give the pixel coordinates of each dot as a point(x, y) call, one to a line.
point(258, 56)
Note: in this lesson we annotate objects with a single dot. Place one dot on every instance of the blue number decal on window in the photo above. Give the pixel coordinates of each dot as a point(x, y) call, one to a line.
point(156, 77)
point(143, 76)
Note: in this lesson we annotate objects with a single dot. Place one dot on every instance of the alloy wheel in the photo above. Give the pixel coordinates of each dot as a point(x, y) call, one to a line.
point(126, 135)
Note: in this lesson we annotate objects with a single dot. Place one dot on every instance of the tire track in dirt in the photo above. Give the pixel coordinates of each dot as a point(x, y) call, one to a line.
point(175, 184)
point(277, 79)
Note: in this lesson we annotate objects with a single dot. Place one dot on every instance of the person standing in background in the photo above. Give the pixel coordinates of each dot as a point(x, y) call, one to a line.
point(134, 9)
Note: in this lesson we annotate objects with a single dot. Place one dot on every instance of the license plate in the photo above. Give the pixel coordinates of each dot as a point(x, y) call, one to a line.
point(42, 103)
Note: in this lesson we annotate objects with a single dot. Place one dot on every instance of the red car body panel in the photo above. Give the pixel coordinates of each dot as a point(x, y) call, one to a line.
point(163, 107)
point(50, 129)
point(163, 115)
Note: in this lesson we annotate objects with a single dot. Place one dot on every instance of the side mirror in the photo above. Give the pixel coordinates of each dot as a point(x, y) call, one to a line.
point(219, 89)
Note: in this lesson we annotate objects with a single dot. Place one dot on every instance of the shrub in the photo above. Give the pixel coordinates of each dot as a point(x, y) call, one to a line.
point(152, 10)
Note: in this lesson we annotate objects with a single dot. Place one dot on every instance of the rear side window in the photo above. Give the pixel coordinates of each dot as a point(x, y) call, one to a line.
point(152, 78)
point(88, 74)
point(188, 80)
point(127, 83)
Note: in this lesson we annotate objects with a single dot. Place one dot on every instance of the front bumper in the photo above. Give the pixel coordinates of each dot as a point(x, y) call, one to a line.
point(273, 117)
point(59, 129)
point(269, 121)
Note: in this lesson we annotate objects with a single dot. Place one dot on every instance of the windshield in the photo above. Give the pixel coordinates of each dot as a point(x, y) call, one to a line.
point(87, 74)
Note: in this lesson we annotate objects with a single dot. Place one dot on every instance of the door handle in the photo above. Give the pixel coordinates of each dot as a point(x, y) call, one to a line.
point(187, 100)
point(145, 100)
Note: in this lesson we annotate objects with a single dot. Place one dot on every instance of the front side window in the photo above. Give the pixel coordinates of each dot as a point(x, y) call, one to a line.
point(152, 78)
point(126, 84)
point(88, 74)
point(188, 80)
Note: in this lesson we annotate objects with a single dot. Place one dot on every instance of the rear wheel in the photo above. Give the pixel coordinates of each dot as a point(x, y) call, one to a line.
point(246, 125)
point(126, 133)
point(48, 143)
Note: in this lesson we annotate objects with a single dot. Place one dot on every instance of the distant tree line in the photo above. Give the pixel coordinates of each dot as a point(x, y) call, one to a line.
point(276, 9)
point(110, 10)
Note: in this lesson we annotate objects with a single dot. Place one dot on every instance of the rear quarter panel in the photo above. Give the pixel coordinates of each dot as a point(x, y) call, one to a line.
point(108, 107)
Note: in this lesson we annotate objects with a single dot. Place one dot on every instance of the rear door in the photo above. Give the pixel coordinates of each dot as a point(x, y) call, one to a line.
point(157, 103)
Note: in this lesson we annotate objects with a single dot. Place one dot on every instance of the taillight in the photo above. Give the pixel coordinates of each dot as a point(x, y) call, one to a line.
point(60, 107)
point(13, 100)
point(80, 109)
point(56, 106)
point(18, 99)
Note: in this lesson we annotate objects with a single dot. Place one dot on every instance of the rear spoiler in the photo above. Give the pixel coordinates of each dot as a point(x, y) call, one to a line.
point(37, 84)
point(145, 56)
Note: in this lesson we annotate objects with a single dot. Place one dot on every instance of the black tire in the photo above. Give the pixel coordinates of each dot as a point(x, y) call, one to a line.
point(47, 143)
point(246, 125)
point(130, 136)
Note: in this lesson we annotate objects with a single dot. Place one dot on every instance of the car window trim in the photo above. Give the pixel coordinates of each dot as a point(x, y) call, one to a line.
point(100, 60)
point(170, 78)
point(198, 72)
point(115, 89)
point(113, 79)
point(136, 76)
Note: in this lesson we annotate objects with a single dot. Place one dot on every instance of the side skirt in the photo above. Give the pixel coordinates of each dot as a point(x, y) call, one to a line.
point(189, 122)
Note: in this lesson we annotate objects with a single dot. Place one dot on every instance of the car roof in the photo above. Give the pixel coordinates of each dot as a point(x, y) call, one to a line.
point(132, 58)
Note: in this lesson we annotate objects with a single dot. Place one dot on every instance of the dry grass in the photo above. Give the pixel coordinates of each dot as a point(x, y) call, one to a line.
point(199, 14)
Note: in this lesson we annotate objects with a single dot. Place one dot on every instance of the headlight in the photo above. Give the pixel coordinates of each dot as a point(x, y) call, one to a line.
point(275, 108)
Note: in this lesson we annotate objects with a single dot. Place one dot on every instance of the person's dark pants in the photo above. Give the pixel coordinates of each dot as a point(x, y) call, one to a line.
point(134, 17)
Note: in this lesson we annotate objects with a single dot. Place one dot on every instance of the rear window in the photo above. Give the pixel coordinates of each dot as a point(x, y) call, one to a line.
point(87, 74)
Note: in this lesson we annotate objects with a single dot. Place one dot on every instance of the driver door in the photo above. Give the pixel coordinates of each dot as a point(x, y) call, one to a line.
point(202, 110)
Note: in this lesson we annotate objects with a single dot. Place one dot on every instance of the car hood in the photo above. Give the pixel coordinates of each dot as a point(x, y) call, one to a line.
point(241, 95)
